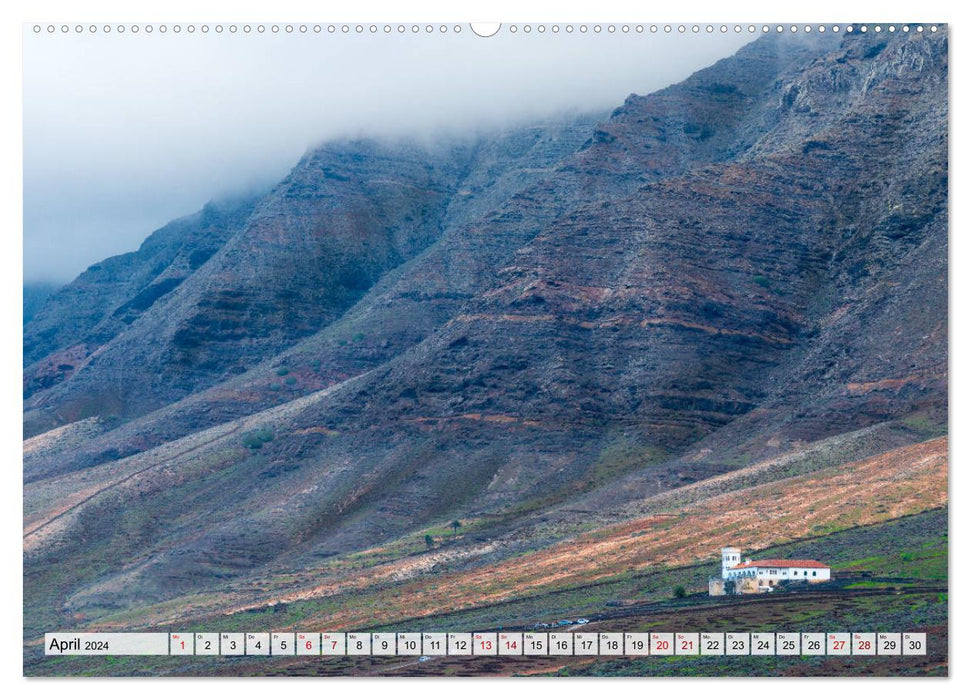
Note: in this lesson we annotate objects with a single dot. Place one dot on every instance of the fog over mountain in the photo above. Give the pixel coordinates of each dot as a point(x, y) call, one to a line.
point(123, 132)
point(538, 373)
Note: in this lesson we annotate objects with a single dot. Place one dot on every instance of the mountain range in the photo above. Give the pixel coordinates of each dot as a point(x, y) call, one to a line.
point(503, 331)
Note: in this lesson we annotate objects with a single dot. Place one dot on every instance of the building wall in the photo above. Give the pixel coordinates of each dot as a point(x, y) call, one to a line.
point(781, 574)
point(758, 579)
point(731, 556)
point(746, 585)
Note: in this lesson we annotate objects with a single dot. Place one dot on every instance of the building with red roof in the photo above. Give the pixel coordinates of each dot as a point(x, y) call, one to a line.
point(763, 575)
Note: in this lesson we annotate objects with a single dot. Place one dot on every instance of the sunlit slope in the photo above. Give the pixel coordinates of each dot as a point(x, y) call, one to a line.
point(682, 527)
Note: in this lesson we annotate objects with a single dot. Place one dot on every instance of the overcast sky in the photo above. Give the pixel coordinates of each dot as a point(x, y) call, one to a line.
point(123, 133)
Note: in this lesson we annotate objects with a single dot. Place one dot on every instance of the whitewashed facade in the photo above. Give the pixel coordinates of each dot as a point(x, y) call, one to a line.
point(764, 574)
point(731, 557)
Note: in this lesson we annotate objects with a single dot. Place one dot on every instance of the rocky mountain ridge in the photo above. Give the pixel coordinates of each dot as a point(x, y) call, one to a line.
point(572, 315)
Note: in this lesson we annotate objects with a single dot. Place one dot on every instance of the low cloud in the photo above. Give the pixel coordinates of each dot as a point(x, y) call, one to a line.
point(123, 133)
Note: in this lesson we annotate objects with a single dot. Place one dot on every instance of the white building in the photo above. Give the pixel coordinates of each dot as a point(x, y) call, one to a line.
point(764, 574)
point(731, 557)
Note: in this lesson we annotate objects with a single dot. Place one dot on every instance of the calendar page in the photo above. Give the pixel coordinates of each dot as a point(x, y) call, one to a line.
point(443, 348)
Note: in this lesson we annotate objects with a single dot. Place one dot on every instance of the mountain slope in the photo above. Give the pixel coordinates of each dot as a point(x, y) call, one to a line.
point(575, 318)
point(519, 180)
point(528, 176)
point(35, 296)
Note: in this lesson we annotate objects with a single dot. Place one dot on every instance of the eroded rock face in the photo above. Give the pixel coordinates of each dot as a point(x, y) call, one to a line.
point(747, 261)
point(283, 268)
point(298, 258)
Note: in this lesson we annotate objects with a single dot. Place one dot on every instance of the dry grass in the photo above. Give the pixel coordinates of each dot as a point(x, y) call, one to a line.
point(897, 483)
